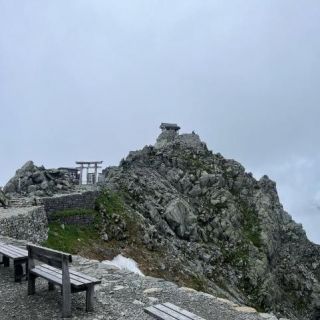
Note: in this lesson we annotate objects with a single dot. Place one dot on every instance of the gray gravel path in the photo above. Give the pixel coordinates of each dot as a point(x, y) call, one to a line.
point(121, 295)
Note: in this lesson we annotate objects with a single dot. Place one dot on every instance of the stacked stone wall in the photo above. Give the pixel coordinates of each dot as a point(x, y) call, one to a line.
point(29, 223)
point(85, 200)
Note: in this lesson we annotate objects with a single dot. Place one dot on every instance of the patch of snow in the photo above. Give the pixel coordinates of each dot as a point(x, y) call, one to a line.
point(124, 263)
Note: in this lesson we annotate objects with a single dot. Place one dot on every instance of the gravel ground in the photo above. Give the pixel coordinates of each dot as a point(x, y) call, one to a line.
point(121, 295)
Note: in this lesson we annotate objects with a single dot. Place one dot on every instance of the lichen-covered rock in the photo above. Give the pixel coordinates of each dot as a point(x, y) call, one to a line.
point(219, 225)
point(4, 201)
point(180, 218)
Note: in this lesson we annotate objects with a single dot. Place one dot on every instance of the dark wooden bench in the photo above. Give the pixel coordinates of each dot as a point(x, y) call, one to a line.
point(19, 257)
point(56, 271)
point(168, 311)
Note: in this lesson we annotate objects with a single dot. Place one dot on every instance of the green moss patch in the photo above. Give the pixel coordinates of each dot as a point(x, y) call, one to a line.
point(112, 202)
point(69, 237)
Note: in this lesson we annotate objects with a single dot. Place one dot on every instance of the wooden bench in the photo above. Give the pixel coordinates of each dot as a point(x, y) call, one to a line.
point(17, 255)
point(168, 311)
point(56, 271)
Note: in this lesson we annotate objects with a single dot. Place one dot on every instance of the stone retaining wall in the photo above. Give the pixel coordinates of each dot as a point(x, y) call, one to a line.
point(85, 200)
point(29, 223)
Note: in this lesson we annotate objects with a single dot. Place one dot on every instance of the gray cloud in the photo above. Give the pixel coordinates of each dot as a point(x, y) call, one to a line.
point(93, 80)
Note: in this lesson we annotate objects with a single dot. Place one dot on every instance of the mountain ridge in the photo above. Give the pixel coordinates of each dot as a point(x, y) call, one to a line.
point(228, 229)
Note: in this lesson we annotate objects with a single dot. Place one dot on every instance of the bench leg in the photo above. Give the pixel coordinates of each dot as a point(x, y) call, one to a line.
point(27, 270)
point(6, 262)
point(66, 304)
point(31, 284)
point(89, 298)
point(18, 272)
point(50, 286)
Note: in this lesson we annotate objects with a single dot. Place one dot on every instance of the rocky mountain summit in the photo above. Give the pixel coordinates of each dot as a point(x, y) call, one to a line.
point(31, 180)
point(215, 227)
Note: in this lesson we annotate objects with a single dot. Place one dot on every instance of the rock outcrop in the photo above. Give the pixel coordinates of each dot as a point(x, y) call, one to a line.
point(216, 225)
point(31, 180)
point(4, 201)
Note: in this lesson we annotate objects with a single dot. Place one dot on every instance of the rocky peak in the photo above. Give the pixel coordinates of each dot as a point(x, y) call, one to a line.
point(219, 224)
point(31, 180)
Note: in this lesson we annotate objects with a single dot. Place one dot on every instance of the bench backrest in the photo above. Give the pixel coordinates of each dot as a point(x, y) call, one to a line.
point(51, 257)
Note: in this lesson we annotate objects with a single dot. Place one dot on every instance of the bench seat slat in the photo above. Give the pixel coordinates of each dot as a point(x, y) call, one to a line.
point(76, 275)
point(182, 311)
point(8, 253)
point(165, 310)
point(14, 248)
point(158, 314)
point(57, 277)
point(84, 276)
point(77, 282)
point(18, 250)
point(72, 275)
point(176, 314)
point(47, 276)
point(58, 273)
point(11, 254)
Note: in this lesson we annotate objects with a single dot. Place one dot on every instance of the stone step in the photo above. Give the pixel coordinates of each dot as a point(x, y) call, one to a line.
point(20, 202)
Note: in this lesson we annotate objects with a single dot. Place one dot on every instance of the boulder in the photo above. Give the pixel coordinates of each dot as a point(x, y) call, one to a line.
point(4, 201)
point(180, 218)
point(31, 180)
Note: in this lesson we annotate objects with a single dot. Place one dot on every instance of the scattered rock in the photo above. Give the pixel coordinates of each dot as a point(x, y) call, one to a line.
point(31, 180)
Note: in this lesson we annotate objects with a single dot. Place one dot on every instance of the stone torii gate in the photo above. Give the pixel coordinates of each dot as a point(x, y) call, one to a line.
point(88, 165)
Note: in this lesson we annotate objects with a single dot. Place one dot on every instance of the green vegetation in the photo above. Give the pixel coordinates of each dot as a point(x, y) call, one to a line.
point(252, 230)
point(72, 238)
point(72, 213)
point(112, 202)
point(198, 283)
point(114, 212)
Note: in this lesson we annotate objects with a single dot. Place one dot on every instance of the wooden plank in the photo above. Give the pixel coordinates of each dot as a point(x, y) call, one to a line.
point(38, 252)
point(19, 250)
point(158, 314)
point(89, 298)
point(66, 289)
point(47, 276)
point(48, 260)
point(21, 254)
point(5, 247)
point(85, 276)
point(57, 274)
point(9, 253)
point(74, 279)
point(13, 248)
point(183, 311)
point(74, 274)
point(173, 313)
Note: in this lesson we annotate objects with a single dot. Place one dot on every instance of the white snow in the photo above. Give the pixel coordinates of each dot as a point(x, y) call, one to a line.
point(124, 263)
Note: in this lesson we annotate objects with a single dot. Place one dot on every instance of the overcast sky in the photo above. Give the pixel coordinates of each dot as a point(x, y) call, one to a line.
point(82, 80)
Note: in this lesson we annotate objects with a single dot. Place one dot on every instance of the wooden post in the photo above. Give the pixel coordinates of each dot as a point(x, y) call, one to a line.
point(66, 289)
point(31, 277)
point(18, 271)
point(6, 262)
point(95, 173)
point(89, 298)
point(81, 171)
point(88, 174)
